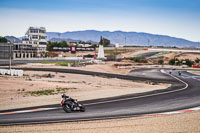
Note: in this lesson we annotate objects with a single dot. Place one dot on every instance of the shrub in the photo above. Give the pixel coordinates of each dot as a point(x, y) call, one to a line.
point(139, 60)
point(41, 92)
point(197, 60)
point(160, 62)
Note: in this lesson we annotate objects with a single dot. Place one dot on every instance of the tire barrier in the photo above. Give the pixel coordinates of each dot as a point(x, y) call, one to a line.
point(11, 72)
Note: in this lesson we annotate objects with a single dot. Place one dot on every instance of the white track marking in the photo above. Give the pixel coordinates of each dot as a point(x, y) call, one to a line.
point(194, 109)
point(117, 100)
point(26, 111)
point(168, 113)
point(161, 93)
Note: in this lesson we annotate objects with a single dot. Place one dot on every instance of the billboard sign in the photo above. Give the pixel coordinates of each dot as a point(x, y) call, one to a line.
point(73, 49)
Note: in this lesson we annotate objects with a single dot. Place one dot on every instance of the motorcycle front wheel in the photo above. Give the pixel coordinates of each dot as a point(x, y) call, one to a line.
point(82, 109)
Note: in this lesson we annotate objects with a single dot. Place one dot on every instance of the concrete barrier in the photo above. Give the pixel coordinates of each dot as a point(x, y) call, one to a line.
point(195, 66)
point(11, 72)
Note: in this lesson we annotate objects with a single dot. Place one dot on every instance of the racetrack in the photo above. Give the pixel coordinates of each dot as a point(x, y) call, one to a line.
point(184, 93)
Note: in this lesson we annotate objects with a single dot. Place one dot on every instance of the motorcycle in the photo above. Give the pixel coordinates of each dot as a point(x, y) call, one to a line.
point(69, 105)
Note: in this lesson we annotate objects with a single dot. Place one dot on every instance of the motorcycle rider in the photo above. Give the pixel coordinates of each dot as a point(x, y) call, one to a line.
point(170, 71)
point(179, 73)
point(67, 98)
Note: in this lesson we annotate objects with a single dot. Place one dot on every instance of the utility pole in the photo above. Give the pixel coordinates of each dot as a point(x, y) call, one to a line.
point(148, 42)
point(10, 53)
point(125, 40)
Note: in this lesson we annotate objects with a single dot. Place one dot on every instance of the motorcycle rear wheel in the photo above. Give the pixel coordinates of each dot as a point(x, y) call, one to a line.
point(67, 108)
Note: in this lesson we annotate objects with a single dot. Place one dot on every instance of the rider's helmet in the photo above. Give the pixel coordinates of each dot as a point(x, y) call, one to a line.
point(63, 95)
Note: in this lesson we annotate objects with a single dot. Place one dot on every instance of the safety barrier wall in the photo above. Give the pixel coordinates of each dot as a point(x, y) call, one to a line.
point(195, 66)
point(11, 72)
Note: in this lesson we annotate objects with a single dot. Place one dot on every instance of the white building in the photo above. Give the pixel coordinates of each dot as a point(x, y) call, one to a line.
point(37, 37)
point(85, 45)
point(117, 45)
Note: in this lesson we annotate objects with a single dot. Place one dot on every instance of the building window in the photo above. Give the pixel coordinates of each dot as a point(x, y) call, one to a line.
point(34, 37)
point(33, 31)
point(42, 37)
point(42, 43)
point(42, 31)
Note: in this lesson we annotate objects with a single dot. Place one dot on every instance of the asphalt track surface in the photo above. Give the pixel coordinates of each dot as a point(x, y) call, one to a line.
point(183, 94)
point(145, 55)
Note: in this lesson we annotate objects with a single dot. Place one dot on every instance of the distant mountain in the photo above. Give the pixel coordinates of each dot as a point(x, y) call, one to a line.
point(13, 39)
point(131, 38)
point(92, 42)
point(63, 39)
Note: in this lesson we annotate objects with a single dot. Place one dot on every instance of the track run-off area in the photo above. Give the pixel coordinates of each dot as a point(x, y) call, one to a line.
point(182, 96)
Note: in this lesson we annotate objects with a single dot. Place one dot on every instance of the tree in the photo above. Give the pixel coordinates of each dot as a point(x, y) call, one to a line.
point(188, 62)
point(3, 39)
point(50, 45)
point(197, 60)
point(160, 62)
point(105, 42)
point(174, 61)
point(63, 44)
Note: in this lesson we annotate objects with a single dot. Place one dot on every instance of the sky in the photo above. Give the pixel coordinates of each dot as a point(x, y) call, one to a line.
point(177, 18)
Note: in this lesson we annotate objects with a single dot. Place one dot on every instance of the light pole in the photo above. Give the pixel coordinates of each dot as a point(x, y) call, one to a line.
point(10, 53)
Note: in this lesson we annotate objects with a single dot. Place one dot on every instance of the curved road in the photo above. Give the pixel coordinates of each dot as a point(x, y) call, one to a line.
point(184, 93)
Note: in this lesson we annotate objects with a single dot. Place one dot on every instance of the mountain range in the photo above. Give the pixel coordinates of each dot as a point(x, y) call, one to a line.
point(124, 38)
point(13, 39)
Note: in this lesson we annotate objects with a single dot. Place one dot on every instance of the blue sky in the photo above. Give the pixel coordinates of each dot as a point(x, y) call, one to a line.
point(178, 18)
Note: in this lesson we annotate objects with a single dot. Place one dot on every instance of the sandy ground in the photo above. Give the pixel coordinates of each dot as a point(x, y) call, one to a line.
point(176, 123)
point(191, 56)
point(14, 91)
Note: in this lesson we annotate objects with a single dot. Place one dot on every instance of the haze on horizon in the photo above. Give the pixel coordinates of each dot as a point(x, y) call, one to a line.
point(177, 18)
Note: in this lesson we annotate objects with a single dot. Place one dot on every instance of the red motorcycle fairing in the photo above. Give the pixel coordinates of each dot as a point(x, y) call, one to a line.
point(63, 102)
